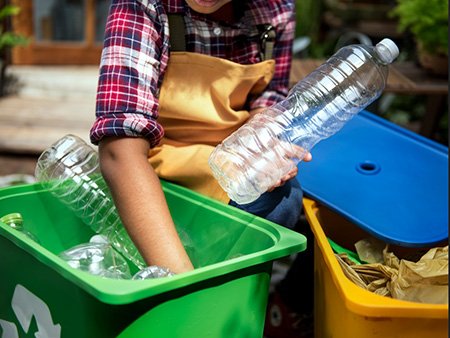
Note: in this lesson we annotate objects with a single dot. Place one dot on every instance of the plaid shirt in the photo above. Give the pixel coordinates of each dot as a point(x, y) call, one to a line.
point(136, 53)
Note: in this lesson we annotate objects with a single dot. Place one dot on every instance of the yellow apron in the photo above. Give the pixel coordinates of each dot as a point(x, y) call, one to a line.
point(201, 102)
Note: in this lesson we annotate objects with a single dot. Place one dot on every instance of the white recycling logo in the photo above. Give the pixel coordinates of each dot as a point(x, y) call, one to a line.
point(27, 305)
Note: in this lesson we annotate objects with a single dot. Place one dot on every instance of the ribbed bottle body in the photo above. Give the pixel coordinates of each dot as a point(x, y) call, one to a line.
point(69, 169)
point(270, 144)
point(248, 162)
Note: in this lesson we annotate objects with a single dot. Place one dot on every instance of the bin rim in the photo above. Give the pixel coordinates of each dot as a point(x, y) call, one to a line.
point(373, 305)
point(112, 291)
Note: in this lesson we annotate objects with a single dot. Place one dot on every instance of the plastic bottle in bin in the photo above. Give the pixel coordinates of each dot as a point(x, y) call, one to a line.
point(98, 258)
point(270, 144)
point(70, 170)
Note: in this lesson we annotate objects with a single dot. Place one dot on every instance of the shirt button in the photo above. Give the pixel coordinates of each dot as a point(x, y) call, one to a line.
point(217, 31)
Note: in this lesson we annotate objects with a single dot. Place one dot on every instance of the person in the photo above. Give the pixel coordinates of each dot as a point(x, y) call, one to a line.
point(176, 78)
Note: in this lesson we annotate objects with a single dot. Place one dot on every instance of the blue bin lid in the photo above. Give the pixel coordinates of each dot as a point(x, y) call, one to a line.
point(389, 181)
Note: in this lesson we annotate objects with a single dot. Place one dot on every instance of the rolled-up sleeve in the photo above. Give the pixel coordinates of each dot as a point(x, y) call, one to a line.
point(133, 60)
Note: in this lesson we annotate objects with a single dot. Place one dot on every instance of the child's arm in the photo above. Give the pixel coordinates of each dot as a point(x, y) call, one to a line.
point(141, 203)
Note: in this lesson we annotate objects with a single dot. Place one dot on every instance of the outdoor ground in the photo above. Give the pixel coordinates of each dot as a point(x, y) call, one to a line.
point(44, 104)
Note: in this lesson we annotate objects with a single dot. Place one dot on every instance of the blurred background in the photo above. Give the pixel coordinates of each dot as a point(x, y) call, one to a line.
point(416, 96)
point(50, 51)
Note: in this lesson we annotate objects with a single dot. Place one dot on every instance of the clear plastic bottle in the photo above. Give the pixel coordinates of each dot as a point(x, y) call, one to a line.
point(152, 272)
point(15, 221)
point(98, 258)
point(269, 145)
point(69, 169)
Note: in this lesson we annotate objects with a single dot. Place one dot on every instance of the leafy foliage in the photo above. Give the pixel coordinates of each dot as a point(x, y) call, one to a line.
point(427, 20)
point(7, 38)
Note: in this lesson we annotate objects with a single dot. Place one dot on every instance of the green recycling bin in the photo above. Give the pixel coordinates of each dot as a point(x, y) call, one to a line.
point(225, 296)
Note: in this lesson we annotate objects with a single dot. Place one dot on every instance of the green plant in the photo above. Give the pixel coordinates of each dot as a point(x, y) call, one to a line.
point(427, 20)
point(9, 39)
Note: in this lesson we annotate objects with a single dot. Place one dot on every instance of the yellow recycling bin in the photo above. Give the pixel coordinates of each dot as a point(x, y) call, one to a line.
point(343, 309)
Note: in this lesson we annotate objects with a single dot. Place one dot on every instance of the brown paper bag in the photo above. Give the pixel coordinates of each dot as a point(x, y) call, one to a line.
point(425, 281)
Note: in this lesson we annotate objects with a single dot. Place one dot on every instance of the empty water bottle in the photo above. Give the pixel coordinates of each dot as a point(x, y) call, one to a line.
point(152, 272)
point(15, 221)
point(269, 145)
point(70, 170)
point(98, 258)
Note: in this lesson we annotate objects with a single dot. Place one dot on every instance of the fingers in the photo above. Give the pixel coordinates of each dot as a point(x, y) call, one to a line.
point(290, 175)
point(298, 152)
point(307, 157)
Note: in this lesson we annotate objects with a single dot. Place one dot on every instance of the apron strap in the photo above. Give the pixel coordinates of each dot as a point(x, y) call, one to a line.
point(267, 41)
point(177, 33)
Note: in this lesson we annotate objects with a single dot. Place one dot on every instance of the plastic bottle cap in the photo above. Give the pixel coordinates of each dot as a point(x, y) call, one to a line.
point(392, 49)
point(11, 218)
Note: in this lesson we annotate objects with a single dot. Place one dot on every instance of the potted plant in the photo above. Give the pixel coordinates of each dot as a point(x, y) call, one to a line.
point(8, 39)
point(427, 20)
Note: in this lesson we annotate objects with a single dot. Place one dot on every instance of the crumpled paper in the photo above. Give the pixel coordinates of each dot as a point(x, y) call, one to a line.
point(370, 250)
point(423, 281)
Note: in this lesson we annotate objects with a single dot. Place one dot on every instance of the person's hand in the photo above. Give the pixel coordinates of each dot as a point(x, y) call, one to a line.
point(293, 172)
point(297, 153)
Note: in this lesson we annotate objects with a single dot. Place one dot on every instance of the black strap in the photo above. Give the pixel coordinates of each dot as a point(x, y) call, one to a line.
point(267, 41)
point(177, 33)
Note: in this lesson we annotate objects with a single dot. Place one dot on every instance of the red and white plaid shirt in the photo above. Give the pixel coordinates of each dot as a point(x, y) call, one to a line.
point(136, 53)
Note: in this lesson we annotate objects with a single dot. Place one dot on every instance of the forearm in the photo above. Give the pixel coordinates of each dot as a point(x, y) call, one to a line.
point(141, 203)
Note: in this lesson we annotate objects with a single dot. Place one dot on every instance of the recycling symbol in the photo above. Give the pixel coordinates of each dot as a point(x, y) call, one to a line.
point(27, 305)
